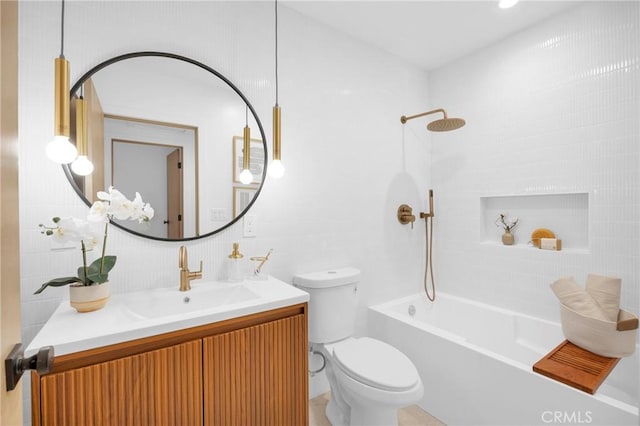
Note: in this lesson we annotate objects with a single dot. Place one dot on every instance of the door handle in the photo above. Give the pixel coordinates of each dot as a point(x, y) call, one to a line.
point(16, 364)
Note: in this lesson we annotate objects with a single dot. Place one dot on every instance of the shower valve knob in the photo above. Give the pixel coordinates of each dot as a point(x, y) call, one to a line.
point(405, 215)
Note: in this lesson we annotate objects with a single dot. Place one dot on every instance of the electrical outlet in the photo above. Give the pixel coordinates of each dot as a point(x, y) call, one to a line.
point(250, 224)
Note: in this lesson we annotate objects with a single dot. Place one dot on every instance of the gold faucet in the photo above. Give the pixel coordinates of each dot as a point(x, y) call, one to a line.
point(185, 275)
point(262, 260)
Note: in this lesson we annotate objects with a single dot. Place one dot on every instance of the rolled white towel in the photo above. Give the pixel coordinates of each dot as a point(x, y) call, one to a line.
point(606, 292)
point(575, 297)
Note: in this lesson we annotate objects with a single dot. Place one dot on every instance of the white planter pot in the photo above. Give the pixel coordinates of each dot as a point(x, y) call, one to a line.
point(89, 298)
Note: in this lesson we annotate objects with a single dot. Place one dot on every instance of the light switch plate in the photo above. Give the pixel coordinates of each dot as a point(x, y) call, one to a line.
point(250, 224)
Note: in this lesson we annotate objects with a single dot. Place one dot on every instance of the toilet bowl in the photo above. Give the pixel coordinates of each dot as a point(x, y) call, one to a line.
point(375, 379)
point(369, 379)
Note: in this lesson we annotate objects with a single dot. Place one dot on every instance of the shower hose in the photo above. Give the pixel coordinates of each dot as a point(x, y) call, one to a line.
point(428, 264)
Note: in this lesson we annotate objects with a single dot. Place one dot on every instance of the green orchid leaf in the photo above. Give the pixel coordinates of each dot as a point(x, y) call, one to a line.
point(98, 278)
point(58, 282)
point(81, 275)
point(93, 270)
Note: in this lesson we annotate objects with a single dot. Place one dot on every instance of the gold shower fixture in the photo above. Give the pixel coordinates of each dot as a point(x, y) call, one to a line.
point(442, 125)
point(405, 215)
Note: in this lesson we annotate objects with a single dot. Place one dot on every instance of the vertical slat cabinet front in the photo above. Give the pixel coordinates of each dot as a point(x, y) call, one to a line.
point(257, 375)
point(161, 387)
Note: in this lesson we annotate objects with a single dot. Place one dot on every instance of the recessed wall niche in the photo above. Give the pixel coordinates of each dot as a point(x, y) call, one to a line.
point(566, 214)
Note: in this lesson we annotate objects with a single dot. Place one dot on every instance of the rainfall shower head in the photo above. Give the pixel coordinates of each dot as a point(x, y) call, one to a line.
point(442, 125)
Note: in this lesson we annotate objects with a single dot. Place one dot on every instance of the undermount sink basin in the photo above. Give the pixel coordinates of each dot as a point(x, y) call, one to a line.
point(168, 302)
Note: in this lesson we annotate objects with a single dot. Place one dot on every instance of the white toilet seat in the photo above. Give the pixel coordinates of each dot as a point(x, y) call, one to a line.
point(375, 364)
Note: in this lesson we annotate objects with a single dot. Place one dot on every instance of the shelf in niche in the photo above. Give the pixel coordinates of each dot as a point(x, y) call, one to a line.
point(566, 214)
point(522, 247)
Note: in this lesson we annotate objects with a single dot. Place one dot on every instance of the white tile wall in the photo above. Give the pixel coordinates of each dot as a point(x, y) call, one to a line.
point(349, 163)
point(554, 109)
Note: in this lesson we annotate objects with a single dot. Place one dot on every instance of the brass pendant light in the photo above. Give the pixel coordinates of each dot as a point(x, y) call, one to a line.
point(81, 166)
point(276, 169)
point(245, 176)
point(60, 149)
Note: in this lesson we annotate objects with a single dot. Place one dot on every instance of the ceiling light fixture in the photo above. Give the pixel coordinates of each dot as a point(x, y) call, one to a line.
point(81, 166)
point(506, 4)
point(276, 169)
point(245, 176)
point(60, 149)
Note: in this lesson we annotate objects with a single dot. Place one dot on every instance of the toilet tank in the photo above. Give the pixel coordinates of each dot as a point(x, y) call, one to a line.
point(332, 303)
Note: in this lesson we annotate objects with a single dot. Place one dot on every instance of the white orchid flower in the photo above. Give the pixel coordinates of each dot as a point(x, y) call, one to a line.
point(92, 235)
point(119, 206)
point(99, 212)
point(67, 230)
point(142, 212)
point(91, 232)
point(147, 213)
point(103, 195)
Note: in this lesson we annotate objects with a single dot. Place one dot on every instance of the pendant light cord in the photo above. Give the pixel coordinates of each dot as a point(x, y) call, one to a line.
point(62, 32)
point(276, 10)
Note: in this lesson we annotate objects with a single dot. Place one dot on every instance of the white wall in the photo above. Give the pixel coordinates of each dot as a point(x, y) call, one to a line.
point(554, 109)
point(349, 161)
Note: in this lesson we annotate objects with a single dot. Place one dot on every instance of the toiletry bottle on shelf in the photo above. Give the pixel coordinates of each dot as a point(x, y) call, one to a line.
point(234, 265)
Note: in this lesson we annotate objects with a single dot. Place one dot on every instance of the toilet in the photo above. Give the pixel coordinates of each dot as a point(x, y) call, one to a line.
point(369, 379)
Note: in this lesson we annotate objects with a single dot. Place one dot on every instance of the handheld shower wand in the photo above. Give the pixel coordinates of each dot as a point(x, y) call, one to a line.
point(428, 260)
point(431, 212)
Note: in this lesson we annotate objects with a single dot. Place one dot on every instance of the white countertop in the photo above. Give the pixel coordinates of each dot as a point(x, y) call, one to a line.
point(129, 316)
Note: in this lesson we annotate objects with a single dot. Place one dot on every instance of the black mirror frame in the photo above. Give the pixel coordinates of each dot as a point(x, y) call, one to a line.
point(78, 84)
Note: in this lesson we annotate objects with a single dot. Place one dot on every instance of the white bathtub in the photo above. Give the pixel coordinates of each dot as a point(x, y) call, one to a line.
point(475, 361)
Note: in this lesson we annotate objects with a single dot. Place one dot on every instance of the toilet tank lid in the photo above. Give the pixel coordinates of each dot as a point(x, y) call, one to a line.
point(328, 278)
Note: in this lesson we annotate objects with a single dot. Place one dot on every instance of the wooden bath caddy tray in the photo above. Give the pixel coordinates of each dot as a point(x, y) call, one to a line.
point(576, 367)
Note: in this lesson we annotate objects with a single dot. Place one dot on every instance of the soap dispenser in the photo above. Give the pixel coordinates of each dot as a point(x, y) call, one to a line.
point(234, 266)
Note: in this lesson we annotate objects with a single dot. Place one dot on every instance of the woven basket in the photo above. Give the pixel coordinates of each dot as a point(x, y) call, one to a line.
point(598, 336)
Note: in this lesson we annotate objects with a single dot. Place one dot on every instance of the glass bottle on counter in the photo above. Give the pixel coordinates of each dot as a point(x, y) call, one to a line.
point(234, 264)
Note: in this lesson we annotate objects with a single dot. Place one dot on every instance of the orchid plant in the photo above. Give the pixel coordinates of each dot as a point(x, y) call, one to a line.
point(111, 205)
point(507, 226)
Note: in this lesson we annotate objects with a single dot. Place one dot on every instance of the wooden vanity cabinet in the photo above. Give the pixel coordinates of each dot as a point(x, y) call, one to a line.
point(250, 370)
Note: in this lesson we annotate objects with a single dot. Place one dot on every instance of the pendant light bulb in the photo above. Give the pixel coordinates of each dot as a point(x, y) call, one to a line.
point(276, 169)
point(506, 4)
point(82, 166)
point(246, 177)
point(61, 151)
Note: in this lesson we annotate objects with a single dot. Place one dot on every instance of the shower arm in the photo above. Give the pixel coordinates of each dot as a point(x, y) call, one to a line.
point(404, 118)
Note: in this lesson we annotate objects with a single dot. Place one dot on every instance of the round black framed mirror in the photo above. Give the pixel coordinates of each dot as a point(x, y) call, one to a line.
point(170, 128)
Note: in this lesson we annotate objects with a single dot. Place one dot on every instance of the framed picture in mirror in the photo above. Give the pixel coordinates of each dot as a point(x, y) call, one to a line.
point(242, 196)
